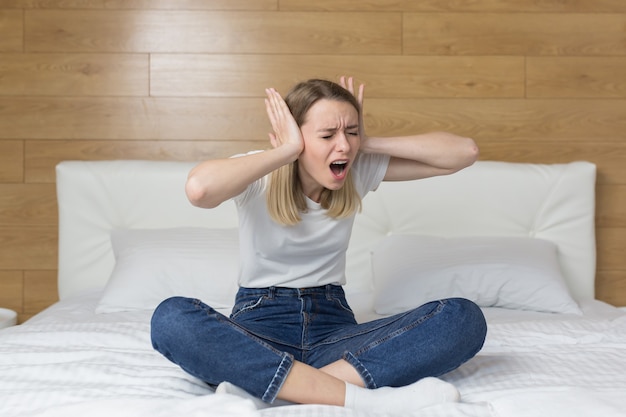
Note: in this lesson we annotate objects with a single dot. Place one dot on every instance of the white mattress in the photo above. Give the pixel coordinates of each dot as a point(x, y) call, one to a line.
point(68, 361)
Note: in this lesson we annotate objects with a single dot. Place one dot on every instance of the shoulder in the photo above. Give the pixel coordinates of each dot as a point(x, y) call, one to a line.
point(369, 171)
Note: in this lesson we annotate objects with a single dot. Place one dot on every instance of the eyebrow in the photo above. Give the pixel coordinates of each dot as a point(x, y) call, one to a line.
point(333, 129)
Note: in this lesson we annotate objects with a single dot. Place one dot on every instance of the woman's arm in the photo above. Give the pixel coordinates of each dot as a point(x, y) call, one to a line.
point(424, 155)
point(212, 182)
point(416, 156)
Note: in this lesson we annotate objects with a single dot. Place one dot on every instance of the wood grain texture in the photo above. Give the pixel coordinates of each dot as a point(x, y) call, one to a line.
point(611, 286)
point(212, 32)
point(43, 156)
point(588, 77)
point(11, 289)
point(40, 290)
point(245, 119)
point(28, 204)
point(11, 30)
point(505, 119)
point(610, 248)
point(537, 81)
point(514, 34)
point(11, 161)
point(457, 5)
point(26, 247)
point(144, 4)
point(74, 75)
point(611, 205)
point(133, 118)
point(386, 76)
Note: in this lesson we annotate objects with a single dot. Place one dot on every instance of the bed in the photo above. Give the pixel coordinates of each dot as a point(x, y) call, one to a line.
point(516, 238)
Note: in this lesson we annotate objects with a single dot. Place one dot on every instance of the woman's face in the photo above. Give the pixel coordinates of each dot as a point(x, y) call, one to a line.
point(331, 142)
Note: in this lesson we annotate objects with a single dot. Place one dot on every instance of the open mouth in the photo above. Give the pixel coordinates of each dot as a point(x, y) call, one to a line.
point(338, 168)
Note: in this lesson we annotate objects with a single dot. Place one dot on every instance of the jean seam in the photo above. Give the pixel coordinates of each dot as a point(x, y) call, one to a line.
point(279, 379)
point(401, 331)
point(346, 336)
point(242, 329)
point(352, 358)
point(367, 378)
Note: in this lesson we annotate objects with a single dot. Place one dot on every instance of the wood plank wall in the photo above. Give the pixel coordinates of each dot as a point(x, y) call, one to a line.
point(533, 81)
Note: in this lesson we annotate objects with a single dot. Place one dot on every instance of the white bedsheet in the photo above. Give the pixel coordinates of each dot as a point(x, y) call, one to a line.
point(71, 362)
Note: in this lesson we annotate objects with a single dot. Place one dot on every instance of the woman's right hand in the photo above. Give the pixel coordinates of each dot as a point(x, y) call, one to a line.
point(348, 84)
point(286, 130)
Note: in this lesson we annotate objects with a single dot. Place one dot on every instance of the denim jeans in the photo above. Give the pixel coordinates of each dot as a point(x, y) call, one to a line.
point(269, 328)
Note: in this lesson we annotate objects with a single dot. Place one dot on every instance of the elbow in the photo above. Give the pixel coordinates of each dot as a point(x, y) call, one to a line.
point(472, 152)
point(198, 193)
point(467, 153)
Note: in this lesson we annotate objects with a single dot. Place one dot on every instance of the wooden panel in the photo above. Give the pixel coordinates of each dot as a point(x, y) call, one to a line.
point(611, 206)
point(11, 30)
point(334, 5)
point(386, 76)
point(514, 34)
point(611, 287)
point(40, 290)
point(144, 4)
point(132, 118)
point(520, 120)
point(11, 161)
point(457, 6)
point(11, 288)
point(611, 242)
point(245, 118)
point(77, 74)
point(519, 76)
point(42, 156)
point(608, 157)
point(212, 32)
point(576, 77)
point(28, 204)
point(28, 247)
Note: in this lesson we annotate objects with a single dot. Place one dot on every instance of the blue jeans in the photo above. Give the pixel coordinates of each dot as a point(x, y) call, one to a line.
point(269, 328)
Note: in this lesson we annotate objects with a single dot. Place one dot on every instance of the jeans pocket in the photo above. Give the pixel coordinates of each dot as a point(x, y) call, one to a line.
point(343, 304)
point(247, 305)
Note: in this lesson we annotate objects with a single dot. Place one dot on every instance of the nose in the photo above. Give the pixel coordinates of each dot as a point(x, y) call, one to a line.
point(342, 144)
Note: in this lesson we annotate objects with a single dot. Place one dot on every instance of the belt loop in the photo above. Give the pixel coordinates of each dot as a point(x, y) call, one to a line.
point(271, 293)
point(329, 292)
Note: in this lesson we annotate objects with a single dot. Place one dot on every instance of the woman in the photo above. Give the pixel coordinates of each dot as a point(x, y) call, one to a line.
point(291, 335)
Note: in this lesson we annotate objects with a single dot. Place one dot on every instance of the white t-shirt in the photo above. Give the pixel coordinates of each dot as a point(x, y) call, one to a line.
point(309, 254)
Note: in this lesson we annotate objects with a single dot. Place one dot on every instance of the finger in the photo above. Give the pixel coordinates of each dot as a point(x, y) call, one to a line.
point(272, 113)
point(278, 104)
point(269, 109)
point(273, 140)
point(361, 94)
point(281, 105)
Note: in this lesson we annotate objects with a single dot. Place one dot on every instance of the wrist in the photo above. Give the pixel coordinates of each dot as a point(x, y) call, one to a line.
point(370, 145)
point(288, 152)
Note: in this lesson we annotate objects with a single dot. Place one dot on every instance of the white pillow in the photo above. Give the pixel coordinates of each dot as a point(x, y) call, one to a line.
point(508, 272)
point(152, 265)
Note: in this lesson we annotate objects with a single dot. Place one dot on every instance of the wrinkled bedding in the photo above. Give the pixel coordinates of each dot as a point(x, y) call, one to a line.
point(68, 361)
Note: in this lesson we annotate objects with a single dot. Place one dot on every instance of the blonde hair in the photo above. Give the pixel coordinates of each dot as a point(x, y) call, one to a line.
point(285, 198)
